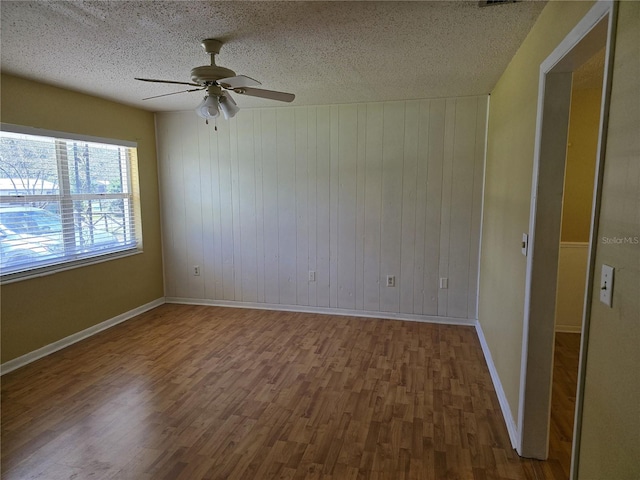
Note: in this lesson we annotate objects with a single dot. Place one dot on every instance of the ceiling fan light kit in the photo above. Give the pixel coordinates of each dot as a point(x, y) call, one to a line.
point(218, 82)
point(208, 108)
point(228, 106)
point(214, 103)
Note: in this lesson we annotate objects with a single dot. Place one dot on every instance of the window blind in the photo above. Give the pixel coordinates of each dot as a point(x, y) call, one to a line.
point(63, 201)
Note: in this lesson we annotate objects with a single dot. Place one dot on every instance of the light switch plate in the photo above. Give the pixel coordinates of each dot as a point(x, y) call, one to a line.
point(606, 285)
point(525, 244)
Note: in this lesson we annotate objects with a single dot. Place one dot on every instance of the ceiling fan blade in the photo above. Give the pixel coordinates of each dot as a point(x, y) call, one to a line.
point(238, 81)
point(270, 94)
point(167, 81)
point(174, 93)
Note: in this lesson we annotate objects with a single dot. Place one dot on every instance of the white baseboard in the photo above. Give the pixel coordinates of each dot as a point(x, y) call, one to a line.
point(497, 384)
point(568, 329)
point(325, 311)
point(16, 363)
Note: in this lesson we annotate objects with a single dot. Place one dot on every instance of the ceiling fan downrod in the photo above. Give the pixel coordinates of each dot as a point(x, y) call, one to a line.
point(209, 74)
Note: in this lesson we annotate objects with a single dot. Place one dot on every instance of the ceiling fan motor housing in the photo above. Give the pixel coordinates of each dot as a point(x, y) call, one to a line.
point(210, 73)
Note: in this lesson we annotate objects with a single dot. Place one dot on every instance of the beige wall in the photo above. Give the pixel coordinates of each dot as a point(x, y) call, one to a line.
point(610, 440)
point(509, 167)
point(610, 436)
point(37, 312)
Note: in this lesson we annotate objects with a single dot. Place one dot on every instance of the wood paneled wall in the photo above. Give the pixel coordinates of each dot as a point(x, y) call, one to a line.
point(352, 192)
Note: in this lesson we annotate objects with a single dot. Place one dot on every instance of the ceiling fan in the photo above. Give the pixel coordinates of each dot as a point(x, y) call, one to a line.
point(218, 82)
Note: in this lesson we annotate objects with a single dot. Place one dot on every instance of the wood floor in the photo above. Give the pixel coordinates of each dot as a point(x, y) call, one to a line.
point(191, 392)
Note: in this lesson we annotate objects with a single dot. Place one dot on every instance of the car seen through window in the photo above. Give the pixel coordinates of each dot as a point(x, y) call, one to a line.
point(31, 234)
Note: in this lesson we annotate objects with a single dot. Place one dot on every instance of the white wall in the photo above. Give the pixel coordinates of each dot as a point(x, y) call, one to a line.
point(572, 283)
point(353, 192)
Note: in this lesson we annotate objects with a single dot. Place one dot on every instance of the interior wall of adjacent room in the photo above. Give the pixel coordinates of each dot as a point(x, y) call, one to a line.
point(577, 199)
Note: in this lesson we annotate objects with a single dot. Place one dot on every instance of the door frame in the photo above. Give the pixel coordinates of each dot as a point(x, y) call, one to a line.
point(596, 29)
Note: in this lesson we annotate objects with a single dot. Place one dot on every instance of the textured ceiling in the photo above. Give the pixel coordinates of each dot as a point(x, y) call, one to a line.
point(324, 52)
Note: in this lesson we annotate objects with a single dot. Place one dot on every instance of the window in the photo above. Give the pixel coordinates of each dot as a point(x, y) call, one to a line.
point(64, 201)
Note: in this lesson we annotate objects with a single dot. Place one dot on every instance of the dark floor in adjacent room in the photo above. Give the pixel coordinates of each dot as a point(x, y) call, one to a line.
point(563, 402)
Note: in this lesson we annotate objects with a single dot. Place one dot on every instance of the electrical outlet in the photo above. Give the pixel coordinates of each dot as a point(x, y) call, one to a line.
point(196, 270)
point(391, 281)
point(312, 276)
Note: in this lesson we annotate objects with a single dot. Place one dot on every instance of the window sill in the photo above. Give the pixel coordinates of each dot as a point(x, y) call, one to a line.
point(51, 270)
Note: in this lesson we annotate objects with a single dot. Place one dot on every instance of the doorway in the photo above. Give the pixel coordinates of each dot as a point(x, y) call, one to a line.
point(577, 201)
point(593, 34)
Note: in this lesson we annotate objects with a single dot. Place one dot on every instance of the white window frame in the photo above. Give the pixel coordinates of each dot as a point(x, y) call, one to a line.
point(65, 200)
